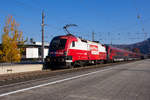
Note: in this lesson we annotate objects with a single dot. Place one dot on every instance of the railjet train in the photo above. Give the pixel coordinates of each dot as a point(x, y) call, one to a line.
point(69, 51)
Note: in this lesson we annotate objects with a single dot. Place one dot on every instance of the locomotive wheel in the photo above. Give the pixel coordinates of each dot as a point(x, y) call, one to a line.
point(79, 64)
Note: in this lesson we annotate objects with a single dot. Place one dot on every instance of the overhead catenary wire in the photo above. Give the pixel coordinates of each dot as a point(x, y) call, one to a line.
point(140, 20)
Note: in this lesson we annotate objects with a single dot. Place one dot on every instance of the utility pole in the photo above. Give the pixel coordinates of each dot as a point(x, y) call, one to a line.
point(42, 25)
point(93, 36)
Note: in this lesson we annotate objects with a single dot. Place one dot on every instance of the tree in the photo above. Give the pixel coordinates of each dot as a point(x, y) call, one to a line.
point(11, 38)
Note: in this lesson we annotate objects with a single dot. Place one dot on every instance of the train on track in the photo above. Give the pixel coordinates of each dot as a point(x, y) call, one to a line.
point(69, 51)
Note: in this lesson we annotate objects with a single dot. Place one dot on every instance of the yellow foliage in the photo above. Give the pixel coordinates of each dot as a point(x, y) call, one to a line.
point(1, 52)
point(10, 41)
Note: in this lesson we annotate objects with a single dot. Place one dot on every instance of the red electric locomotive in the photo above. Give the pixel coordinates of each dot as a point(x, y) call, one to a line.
point(70, 51)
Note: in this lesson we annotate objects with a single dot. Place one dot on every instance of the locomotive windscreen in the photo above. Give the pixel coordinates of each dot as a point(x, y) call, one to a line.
point(58, 44)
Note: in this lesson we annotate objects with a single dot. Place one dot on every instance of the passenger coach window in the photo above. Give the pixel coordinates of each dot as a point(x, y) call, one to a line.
point(73, 43)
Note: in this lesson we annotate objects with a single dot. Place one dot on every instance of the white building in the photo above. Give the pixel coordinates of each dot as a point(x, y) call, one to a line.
point(34, 51)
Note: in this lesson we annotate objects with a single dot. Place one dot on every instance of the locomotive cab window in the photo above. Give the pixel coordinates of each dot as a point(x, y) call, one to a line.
point(58, 44)
point(73, 43)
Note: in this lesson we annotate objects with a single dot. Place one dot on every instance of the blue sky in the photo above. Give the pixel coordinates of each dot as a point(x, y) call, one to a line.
point(111, 20)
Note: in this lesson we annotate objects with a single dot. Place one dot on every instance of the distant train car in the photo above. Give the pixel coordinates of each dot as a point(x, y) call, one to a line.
point(116, 54)
point(70, 51)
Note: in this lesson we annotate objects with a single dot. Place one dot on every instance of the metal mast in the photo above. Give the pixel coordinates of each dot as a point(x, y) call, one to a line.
point(93, 36)
point(43, 36)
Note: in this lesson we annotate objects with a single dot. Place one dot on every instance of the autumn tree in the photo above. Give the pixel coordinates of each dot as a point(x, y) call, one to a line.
point(11, 38)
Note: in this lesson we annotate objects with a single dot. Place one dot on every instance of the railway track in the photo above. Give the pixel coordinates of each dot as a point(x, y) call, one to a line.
point(16, 78)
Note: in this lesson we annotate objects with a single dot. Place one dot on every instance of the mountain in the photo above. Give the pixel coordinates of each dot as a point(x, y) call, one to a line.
point(143, 46)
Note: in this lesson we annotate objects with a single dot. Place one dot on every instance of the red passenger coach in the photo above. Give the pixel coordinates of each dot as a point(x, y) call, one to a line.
point(117, 54)
point(70, 51)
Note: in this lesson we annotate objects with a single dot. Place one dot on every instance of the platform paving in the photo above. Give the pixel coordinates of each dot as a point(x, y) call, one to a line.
point(121, 82)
